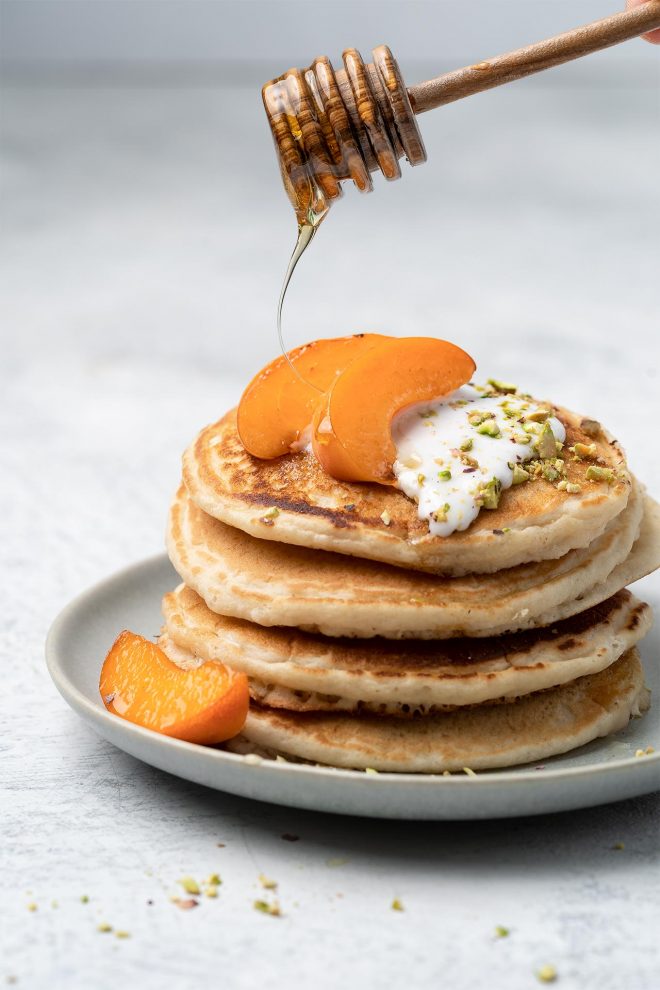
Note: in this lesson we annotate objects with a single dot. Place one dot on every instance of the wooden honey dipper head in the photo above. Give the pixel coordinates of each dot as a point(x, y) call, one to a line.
point(330, 126)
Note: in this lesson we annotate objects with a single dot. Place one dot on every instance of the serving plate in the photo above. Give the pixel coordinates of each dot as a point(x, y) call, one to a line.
point(605, 770)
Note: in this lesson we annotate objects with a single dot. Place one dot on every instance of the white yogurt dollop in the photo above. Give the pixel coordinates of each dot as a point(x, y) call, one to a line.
point(448, 482)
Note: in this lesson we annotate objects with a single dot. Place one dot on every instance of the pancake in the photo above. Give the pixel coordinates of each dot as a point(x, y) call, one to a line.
point(533, 521)
point(273, 584)
point(291, 669)
point(530, 729)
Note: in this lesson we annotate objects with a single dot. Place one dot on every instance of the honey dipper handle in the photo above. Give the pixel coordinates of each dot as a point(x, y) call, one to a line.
point(534, 58)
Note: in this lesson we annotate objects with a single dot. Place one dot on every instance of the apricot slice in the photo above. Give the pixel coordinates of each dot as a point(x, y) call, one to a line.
point(278, 404)
point(352, 432)
point(141, 684)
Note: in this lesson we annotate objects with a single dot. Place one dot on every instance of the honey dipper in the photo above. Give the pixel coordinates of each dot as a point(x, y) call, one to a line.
point(333, 125)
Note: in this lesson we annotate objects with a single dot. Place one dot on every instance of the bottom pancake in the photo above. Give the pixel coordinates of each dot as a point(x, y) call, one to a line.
point(532, 728)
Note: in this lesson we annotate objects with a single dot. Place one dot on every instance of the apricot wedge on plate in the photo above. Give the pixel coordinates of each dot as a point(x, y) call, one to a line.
point(205, 705)
point(352, 436)
point(279, 402)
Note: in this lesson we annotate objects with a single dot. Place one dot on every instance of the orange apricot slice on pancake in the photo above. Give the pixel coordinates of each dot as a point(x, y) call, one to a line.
point(352, 431)
point(279, 402)
point(205, 705)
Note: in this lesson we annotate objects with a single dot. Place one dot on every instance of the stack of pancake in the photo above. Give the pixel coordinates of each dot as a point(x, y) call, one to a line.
point(369, 643)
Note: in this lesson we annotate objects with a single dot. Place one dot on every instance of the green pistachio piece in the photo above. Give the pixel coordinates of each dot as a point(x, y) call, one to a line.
point(502, 386)
point(582, 450)
point(539, 415)
point(545, 444)
point(572, 488)
point(476, 417)
point(440, 515)
point(489, 428)
point(444, 475)
point(600, 474)
point(550, 473)
point(467, 444)
point(520, 475)
point(488, 496)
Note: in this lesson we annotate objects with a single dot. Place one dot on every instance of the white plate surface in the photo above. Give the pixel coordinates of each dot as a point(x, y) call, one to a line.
point(605, 770)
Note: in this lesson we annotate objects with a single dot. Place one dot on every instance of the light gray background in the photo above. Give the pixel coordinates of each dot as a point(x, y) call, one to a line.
point(144, 238)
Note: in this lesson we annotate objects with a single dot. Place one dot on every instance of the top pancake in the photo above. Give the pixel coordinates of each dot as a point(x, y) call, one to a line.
point(534, 521)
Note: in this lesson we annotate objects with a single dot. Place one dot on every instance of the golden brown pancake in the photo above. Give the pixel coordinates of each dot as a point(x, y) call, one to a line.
point(303, 672)
point(534, 521)
point(271, 583)
point(530, 729)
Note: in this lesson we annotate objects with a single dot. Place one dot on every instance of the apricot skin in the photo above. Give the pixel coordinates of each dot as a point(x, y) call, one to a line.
point(140, 683)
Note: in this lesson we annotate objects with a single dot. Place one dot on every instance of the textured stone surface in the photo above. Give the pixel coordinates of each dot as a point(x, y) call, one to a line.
point(145, 235)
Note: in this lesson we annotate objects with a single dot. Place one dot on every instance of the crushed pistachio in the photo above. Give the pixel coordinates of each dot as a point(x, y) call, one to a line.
point(468, 771)
point(582, 450)
point(488, 495)
point(444, 475)
point(546, 444)
point(467, 444)
point(600, 474)
point(539, 415)
point(501, 931)
point(371, 771)
point(267, 883)
point(84, 899)
point(272, 513)
point(189, 885)
point(413, 461)
point(32, 906)
point(471, 462)
point(104, 927)
point(477, 417)
point(211, 891)
point(385, 516)
point(215, 880)
point(550, 473)
point(645, 752)
point(427, 414)
point(502, 386)
point(591, 427)
point(546, 974)
point(268, 907)
point(561, 485)
point(421, 478)
point(440, 515)
point(396, 905)
point(522, 438)
point(519, 475)
point(489, 428)
point(573, 488)
point(121, 933)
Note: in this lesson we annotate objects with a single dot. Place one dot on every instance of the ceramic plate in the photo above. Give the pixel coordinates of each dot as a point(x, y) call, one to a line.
point(605, 770)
